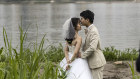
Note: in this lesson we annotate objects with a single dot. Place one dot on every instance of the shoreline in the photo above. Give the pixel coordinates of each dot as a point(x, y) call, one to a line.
point(120, 71)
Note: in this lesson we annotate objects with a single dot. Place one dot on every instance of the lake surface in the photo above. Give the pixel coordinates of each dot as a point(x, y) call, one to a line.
point(118, 22)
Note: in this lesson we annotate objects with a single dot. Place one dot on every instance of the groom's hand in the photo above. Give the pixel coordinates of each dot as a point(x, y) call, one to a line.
point(79, 55)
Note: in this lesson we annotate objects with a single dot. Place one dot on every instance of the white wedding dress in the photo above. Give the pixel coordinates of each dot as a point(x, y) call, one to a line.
point(79, 67)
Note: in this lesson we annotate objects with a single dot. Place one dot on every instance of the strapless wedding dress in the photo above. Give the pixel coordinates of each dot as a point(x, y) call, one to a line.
point(79, 67)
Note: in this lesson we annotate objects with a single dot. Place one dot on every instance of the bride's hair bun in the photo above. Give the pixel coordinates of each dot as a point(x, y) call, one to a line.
point(69, 41)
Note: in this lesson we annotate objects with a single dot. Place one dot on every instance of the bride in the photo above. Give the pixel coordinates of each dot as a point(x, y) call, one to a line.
point(77, 68)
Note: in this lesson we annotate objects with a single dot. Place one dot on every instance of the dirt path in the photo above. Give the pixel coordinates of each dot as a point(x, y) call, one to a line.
point(118, 71)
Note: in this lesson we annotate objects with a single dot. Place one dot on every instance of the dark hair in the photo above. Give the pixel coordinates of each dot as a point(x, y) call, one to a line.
point(74, 21)
point(87, 14)
point(69, 41)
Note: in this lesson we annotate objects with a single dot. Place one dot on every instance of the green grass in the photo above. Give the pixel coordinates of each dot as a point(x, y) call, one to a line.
point(134, 73)
point(112, 54)
point(30, 64)
point(55, 54)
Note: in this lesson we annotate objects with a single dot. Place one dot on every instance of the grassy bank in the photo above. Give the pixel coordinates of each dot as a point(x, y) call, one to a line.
point(42, 62)
point(112, 54)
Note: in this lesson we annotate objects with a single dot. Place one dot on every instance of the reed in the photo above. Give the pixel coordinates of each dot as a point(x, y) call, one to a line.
point(134, 73)
point(29, 64)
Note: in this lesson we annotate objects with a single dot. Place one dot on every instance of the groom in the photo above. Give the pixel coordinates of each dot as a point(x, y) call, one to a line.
point(91, 48)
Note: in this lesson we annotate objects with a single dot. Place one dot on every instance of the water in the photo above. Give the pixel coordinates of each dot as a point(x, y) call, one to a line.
point(117, 22)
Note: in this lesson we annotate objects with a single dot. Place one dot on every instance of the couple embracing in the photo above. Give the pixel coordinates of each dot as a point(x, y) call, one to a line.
point(82, 61)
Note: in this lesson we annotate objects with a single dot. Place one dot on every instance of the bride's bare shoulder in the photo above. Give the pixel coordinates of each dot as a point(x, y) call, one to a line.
point(79, 38)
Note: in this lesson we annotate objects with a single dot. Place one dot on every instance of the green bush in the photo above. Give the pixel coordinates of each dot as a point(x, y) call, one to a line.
point(112, 54)
point(55, 54)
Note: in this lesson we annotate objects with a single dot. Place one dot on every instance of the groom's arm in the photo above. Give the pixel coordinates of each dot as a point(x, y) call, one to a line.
point(94, 38)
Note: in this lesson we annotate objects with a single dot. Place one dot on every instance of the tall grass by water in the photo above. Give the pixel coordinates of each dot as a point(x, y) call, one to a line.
point(30, 64)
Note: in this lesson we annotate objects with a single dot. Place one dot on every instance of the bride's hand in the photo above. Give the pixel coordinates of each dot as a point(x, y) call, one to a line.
point(67, 67)
point(69, 61)
point(79, 55)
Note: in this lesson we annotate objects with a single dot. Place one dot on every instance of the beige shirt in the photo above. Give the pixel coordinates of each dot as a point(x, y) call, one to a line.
point(88, 28)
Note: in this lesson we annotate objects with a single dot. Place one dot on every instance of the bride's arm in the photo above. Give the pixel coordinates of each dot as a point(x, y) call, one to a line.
point(66, 50)
point(77, 48)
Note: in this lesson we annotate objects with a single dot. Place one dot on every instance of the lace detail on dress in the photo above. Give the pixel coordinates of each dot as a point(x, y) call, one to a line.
point(71, 49)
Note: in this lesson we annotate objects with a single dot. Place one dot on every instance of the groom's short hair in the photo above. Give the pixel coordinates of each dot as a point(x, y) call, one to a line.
point(87, 14)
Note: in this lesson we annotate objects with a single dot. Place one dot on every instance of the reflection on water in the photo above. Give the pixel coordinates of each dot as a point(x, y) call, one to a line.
point(118, 23)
